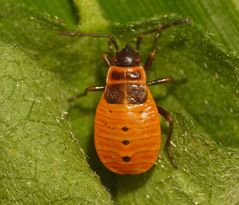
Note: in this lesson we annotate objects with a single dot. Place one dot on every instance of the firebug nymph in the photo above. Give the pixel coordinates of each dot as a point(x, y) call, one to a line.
point(127, 132)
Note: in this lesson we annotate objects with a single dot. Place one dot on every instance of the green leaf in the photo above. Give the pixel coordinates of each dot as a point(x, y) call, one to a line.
point(63, 11)
point(219, 17)
point(91, 15)
point(42, 160)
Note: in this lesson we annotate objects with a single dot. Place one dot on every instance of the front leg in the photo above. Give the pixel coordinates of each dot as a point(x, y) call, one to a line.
point(89, 89)
point(150, 59)
point(169, 118)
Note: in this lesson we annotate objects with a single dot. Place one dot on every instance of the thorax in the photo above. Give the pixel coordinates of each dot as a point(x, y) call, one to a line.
point(126, 85)
point(129, 75)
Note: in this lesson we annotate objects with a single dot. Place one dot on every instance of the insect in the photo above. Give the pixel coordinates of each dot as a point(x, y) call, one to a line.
point(127, 132)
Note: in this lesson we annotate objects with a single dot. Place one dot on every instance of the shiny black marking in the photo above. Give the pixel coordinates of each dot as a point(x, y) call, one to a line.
point(125, 142)
point(117, 75)
point(126, 158)
point(125, 129)
point(133, 75)
point(114, 94)
point(136, 94)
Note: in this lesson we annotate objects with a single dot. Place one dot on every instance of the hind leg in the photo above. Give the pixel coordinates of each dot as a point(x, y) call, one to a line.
point(169, 118)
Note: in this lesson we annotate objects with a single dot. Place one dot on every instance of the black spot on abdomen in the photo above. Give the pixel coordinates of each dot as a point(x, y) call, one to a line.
point(125, 129)
point(125, 142)
point(126, 158)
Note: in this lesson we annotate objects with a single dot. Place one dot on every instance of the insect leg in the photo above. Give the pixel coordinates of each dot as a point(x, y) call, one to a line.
point(89, 89)
point(150, 59)
point(169, 118)
point(158, 30)
point(160, 81)
point(93, 89)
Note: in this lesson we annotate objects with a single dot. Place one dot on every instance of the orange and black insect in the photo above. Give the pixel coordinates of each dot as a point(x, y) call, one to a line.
point(127, 132)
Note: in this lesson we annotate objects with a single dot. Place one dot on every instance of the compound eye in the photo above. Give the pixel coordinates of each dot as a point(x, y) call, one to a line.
point(137, 60)
point(114, 60)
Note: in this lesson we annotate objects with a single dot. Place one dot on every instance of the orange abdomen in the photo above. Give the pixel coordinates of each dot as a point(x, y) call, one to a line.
point(127, 136)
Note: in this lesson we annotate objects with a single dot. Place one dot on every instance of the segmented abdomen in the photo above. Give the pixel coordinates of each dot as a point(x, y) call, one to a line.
point(127, 136)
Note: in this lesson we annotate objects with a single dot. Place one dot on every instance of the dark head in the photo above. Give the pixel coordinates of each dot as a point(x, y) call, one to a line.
point(127, 57)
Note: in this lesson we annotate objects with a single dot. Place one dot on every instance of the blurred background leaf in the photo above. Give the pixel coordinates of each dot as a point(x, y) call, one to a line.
point(205, 106)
